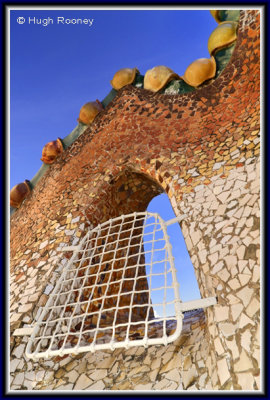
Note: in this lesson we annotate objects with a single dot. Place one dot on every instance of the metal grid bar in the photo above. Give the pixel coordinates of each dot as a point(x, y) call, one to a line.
point(105, 298)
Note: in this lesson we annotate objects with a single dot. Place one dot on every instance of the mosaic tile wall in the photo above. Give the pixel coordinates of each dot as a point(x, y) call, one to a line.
point(202, 149)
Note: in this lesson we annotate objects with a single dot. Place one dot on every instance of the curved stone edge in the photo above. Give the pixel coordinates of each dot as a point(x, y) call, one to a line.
point(179, 87)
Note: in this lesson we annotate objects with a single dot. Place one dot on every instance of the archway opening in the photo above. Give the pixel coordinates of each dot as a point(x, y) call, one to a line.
point(130, 192)
point(189, 289)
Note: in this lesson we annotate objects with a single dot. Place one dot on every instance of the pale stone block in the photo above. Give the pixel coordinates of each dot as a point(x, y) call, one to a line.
point(227, 328)
point(31, 282)
point(171, 386)
point(34, 297)
point(246, 381)
point(147, 386)
point(231, 261)
point(29, 384)
point(153, 375)
point(41, 263)
point(228, 229)
point(187, 363)
point(244, 320)
point(220, 225)
point(222, 197)
point(43, 244)
point(247, 271)
point(217, 190)
point(175, 361)
point(50, 376)
point(201, 364)
point(246, 340)
point(224, 275)
point(244, 279)
point(223, 252)
point(202, 380)
point(236, 310)
point(239, 213)
point(218, 346)
point(156, 363)
point(247, 240)
point(189, 377)
point(217, 247)
point(138, 370)
point(40, 376)
point(18, 352)
point(255, 234)
point(213, 242)
point(114, 369)
point(195, 237)
point(239, 184)
point(83, 382)
point(225, 239)
point(232, 299)
point(166, 357)
point(217, 267)
point(244, 363)
point(245, 295)
point(188, 242)
point(256, 274)
point(21, 364)
point(234, 271)
point(13, 365)
point(98, 374)
point(212, 330)
point(205, 268)
point(223, 371)
point(99, 385)
point(82, 366)
point(25, 308)
point(244, 232)
point(247, 212)
point(19, 379)
point(202, 256)
point(253, 307)
point(213, 258)
point(65, 387)
point(221, 313)
point(24, 299)
point(147, 360)
point(106, 363)
point(234, 284)
point(173, 375)
point(161, 384)
point(231, 344)
point(242, 264)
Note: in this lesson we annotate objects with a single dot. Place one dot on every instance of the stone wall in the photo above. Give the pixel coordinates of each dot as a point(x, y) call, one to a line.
point(178, 366)
point(202, 149)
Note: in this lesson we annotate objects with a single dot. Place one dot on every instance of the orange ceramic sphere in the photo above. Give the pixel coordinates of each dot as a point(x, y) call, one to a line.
point(89, 111)
point(51, 150)
point(18, 193)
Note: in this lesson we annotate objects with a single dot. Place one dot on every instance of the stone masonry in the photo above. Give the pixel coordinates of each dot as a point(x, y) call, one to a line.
point(202, 149)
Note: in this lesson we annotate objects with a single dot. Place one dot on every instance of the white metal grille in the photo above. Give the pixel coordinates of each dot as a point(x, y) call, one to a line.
point(119, 289)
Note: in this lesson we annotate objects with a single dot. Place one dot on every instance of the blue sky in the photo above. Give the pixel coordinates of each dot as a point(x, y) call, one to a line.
point(55, 69)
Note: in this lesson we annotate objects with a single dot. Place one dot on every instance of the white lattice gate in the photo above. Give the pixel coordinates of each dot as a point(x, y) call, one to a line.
point(110, 290)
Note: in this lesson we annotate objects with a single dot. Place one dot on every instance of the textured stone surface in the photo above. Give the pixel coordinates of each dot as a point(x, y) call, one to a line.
point(206, 158)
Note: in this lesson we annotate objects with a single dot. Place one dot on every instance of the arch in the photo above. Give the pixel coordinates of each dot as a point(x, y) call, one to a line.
point(202, 149)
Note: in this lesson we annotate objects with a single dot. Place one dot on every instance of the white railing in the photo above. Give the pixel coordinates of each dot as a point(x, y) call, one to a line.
point(119, 289)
